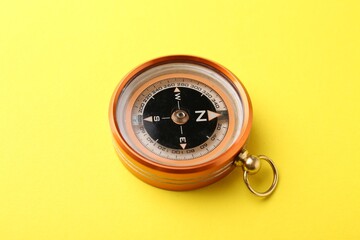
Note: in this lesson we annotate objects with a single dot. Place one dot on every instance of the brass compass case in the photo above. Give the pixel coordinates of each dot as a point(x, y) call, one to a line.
point(178, 122)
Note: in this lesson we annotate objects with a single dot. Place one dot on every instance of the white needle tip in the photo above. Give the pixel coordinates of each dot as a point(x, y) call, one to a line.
point(212, 115)
point(149, 119)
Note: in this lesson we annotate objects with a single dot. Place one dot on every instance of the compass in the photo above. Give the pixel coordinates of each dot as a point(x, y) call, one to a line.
point(181, 122)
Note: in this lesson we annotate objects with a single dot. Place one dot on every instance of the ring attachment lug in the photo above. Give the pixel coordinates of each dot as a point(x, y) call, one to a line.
point(251, 164)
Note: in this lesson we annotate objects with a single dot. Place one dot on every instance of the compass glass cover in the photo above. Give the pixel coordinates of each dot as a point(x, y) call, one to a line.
point(179, 114)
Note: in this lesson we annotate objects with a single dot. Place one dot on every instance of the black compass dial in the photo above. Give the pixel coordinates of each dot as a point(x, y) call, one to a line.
point(180, 118)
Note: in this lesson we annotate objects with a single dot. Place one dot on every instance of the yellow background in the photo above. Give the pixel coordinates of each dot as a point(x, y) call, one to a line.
point(61, 60)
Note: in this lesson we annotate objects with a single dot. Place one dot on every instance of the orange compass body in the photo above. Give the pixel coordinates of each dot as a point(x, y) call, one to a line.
point(178, 122)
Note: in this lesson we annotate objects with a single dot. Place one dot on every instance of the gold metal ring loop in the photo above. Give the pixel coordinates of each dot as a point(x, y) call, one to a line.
point(274, 183)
